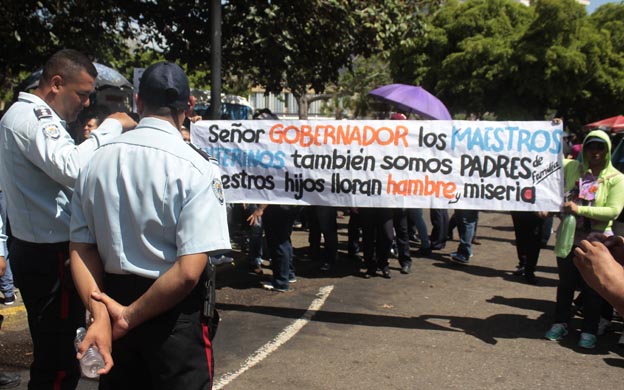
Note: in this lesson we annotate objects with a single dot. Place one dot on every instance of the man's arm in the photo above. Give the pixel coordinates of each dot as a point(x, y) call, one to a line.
point(53, 150)
point(601, 272)
point(87, 272)
point(168, 290)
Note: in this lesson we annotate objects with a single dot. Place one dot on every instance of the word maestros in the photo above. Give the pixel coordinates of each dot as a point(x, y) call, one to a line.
point(361, 158)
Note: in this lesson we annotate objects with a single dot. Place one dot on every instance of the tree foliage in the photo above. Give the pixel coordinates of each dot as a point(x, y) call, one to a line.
point(303, 45)
point(520, 62)
point(478, 56)
point(30, 31)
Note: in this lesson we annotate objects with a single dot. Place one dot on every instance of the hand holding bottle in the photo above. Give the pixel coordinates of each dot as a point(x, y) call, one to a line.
point(93, 347)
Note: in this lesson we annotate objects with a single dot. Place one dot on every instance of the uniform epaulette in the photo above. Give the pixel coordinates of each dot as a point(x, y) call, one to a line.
point(42, 112)
point(205, 155)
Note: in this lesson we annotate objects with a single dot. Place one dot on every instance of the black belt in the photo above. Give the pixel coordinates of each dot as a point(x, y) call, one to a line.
point(64, 245)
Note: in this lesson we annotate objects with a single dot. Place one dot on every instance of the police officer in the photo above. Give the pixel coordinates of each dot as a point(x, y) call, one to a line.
point(148, 211)
point(39, 163)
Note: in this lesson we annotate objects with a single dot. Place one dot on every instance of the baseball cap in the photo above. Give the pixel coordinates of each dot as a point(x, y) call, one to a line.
point(398, 116)
point(164, 84)
point(595, 140)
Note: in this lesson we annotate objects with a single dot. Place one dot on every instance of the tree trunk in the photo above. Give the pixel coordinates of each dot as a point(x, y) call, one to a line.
point(302, 102)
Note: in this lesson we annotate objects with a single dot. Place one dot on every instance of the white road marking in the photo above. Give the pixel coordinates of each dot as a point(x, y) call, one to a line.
point(285, 335)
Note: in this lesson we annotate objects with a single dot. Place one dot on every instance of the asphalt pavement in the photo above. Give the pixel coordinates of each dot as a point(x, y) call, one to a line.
point(442, 326)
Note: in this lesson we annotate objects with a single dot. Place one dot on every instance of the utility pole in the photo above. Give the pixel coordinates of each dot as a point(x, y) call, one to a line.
point(215, 59)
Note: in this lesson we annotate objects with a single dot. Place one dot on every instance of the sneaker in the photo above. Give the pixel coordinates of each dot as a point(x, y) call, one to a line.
point(221, 260)
point(459, 258)
point(587, 341)
point(415, 239)
point(325, 267)
point(9, 380)
point(271, 287)
point(519, 270)
point(292, 279)
point(603, 326)
point(9, 300)
point(556, 332)
point(386, 273)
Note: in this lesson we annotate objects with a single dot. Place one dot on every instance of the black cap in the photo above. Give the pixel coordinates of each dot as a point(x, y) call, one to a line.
point(165, 84)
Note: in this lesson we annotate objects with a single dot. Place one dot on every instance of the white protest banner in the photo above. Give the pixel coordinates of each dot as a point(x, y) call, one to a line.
point(388, 163)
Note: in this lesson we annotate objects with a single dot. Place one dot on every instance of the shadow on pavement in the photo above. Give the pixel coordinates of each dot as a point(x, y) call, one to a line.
point(488, 330)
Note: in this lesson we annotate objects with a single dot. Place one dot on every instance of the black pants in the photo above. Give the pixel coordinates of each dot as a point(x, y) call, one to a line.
point(171, 351)
point(323, 221)
point(400, 222)
point(354, 233)
point(439, 232)
point(55, 311)
point(528, 229)
point(569, 279)
point(377, 236)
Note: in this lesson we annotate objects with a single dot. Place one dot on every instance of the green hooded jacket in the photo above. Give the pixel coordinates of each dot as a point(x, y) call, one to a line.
point(610, 194)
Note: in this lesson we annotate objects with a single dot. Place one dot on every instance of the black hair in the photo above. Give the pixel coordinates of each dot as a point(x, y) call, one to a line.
point(67, 63)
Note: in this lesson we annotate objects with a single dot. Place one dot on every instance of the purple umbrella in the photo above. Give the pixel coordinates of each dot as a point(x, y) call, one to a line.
point(414, 99)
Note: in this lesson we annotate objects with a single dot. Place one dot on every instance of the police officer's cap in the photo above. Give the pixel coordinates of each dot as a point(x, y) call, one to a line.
point(164, 84)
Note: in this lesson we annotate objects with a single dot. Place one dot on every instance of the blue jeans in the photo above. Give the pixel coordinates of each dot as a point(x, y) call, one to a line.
point(418, 221)
point(6, 281)
point(466, 225)
point(278, 223)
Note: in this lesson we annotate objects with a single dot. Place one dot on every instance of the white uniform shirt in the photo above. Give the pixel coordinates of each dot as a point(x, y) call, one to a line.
point(146, 198)
point(39, 163)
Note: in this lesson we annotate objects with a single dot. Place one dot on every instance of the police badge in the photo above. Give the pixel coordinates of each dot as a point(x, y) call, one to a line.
point(51, 131)
point(217, 187)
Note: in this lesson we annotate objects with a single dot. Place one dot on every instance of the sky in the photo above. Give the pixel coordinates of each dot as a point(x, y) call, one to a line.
point(597, 3)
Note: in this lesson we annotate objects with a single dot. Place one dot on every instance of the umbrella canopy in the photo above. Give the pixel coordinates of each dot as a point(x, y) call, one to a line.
point(615, 124)
point(107, 77)
point(410, 98)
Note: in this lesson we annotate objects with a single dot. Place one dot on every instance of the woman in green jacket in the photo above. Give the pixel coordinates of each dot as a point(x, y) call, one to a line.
point(595, 196)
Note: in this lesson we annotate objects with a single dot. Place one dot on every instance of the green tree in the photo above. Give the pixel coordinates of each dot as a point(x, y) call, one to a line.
point(466, 57)
point(604, 95)
point(351, 91)
point(279, 45)
point(30, 31)
point(552, 57)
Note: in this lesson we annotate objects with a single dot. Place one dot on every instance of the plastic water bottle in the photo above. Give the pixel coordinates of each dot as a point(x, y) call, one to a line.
point(565, 237)
point(91, 361)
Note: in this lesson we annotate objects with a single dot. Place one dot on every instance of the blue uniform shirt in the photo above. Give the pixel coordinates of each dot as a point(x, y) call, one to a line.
point(39, 163)
point(146, 198)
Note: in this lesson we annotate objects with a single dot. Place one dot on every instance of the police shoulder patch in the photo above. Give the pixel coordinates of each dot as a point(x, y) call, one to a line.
point(42, 112)
point(52, 131)
point(205, 155)
point(217, 187)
